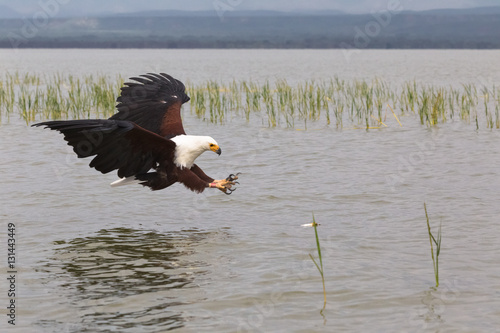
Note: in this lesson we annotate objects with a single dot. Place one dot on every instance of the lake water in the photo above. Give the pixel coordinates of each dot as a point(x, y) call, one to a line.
point(91, 258)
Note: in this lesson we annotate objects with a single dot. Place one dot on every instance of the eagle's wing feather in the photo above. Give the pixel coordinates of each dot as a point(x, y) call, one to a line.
point(154, 104)
point(117, 145)
point(191, 180)
point(202, 175)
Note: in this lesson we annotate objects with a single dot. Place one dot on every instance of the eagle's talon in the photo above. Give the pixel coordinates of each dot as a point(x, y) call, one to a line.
point(230, 191)
point(232, 177)
point(225, 184)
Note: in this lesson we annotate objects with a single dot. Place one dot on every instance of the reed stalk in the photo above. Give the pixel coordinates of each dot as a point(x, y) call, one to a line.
point(437, 242)
point(320, 266)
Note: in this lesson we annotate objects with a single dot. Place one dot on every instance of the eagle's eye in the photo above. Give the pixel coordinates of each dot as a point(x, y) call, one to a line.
point(211, 145)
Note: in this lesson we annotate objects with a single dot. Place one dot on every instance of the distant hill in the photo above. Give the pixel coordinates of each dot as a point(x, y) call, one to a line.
point(7, 12)
point(476, 28)
point(233, 13)
point(469, 11)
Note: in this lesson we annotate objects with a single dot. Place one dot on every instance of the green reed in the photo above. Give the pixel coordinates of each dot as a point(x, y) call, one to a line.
point(497, 111)
point(334, 102)
point(57, 97)
point(437, 242)
point(320, 266)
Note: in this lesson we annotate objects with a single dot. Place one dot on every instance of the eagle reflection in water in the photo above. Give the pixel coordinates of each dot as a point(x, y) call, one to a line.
point(126, 279)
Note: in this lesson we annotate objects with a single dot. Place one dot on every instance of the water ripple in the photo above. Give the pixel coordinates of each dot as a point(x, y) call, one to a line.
point(127, 279)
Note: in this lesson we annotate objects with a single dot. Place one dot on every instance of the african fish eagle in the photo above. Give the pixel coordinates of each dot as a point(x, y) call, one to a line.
point(145, 140)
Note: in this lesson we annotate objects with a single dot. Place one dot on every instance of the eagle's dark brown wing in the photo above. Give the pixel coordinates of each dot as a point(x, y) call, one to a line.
point(117, 145)
point(154, 103)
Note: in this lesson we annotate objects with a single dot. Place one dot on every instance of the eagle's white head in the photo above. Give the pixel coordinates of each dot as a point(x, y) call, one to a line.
point(189, 147)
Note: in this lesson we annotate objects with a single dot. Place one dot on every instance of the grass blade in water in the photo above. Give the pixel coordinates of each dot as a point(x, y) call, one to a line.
point(320, 266)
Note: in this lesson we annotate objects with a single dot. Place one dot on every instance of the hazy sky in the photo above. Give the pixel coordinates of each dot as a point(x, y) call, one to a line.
point(89, 7)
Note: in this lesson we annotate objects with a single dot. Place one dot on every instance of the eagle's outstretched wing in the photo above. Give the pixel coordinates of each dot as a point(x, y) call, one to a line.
point(154, 103)
point(118, 145)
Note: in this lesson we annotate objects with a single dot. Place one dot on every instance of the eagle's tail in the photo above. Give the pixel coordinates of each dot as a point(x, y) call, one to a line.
point(153, 180)
point(125, 181)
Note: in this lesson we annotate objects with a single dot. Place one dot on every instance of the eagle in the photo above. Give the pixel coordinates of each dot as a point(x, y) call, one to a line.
point(145, 140)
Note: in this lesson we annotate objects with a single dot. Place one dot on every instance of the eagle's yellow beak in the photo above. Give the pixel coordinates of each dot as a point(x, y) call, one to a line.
point(215, 149)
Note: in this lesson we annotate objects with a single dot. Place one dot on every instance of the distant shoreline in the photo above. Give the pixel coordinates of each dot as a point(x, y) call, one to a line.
point(421, 45)
point(230, 48)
